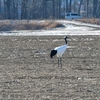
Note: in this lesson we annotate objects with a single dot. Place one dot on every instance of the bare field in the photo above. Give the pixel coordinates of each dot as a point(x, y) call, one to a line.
point(28, 73)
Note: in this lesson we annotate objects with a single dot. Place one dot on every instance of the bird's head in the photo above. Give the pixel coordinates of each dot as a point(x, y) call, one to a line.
point(65, 37)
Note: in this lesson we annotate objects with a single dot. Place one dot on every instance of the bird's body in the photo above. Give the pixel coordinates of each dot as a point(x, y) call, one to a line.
point(59, 51)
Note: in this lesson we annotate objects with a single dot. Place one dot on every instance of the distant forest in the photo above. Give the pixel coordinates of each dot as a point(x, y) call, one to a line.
point(48, 9)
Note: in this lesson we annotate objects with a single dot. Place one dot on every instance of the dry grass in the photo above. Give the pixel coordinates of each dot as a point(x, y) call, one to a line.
point(5, 27)
point(90, 20)
point(28, 25)
point(51, 24)
point(9, 25)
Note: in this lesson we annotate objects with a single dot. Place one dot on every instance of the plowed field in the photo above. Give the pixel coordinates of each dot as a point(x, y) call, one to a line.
point(28, 73)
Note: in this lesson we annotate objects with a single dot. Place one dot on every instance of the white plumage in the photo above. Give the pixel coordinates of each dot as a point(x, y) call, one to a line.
point(59, 51)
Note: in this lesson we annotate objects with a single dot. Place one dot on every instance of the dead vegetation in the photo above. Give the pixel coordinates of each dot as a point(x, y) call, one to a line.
point(90, 20)
point(9, 25)
point(28, 25)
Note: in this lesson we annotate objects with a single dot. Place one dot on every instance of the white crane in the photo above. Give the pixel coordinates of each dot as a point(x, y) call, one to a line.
point(59, 51)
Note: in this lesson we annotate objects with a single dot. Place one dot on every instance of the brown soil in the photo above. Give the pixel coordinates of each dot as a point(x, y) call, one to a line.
point(28, 73)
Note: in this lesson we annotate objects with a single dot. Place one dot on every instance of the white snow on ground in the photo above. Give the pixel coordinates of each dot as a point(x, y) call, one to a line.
point(71, 28)
point(79, 23)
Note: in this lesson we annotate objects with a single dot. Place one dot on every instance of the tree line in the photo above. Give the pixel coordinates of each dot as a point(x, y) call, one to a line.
point(46, 9)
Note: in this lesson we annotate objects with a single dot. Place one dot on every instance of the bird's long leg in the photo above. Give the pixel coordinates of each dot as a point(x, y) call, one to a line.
point(58, 62)
point(61, 61)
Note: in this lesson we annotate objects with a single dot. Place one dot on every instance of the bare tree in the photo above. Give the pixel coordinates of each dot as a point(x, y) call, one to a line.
point(43, 9)
point(59, 11)
point(66, 6)
point(99, 9)
point(81, 1)
point(87, 7)
point(8, 4)
point(24, 9)
point(0, 7)
point(53, 8)
point(70, 8)
point(95, 8)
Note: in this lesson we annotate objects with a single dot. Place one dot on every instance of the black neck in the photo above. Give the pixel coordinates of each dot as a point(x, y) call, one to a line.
point(65, 40)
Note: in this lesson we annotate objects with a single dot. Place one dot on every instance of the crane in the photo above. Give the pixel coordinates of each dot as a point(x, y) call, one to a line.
point(59, 51)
